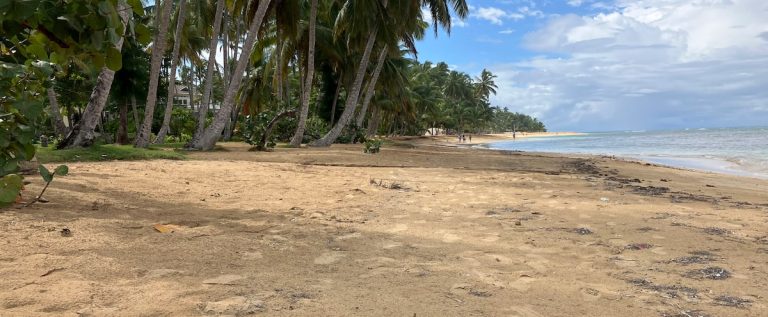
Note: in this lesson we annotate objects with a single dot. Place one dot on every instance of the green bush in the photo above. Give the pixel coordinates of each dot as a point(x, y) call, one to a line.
point(372, 146)
point(351, 134)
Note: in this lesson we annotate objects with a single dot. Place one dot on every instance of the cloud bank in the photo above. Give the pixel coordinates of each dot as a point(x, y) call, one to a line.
point(645, 64)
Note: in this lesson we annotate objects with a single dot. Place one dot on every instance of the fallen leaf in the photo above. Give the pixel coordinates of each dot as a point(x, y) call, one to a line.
point(163, 228)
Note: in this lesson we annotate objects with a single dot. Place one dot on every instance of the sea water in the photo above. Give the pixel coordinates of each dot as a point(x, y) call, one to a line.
point(739, 151)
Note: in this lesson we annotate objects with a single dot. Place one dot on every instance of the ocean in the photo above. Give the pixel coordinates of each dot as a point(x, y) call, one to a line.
point(737, 151)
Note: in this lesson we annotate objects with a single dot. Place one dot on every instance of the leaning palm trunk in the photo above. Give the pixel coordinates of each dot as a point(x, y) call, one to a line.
point(213, 132)
point(83, 134)
point(372, 86)
point(307, 87)
point(166, 127)
point(202, 110)
point(352, 96)
point(142, 137)
point(373, 124)
point(56, 119)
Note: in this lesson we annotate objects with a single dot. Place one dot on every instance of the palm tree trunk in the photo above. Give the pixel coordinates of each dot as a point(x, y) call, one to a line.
point(58, 122)
point(201, 114)
point(83, 134)
point(307, 86)
point(373, 124)
point(122, 130)
point(335, 100)
point(278, 78)
point(135, 113)
point(352, 96)
point(158, 50)
point(166, 127)
point(190, 80)
point(212, 133)
point(372, 86)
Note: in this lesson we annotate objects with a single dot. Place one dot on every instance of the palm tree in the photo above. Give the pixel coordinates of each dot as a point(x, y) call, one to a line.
point(351, 7)
point(203, 107)
point(308, 77)
point(213, 132)
point(165, 128)
point(440, 14)
point(158, 50)
point(83, 134)
point(485, 85)
point(56, 119)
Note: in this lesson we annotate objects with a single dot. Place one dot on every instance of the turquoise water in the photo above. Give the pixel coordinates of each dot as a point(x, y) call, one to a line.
point(740, 151)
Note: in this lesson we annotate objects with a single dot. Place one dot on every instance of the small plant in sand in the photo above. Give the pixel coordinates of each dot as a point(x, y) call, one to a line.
point(61, 170)
point(372, 146)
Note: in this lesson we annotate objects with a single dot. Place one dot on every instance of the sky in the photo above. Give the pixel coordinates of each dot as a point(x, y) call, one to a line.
point(617, 65)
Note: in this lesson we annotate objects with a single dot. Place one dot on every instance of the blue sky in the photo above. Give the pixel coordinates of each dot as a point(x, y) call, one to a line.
point(589, 65)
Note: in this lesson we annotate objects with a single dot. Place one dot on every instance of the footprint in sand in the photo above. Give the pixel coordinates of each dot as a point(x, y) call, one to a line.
point(328, 258)
point(589, 294)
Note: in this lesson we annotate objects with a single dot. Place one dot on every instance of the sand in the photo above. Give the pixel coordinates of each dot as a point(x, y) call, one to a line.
point(417, 230)
point(477, 139)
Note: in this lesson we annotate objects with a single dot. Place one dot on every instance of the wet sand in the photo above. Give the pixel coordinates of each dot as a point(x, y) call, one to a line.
point(419, 229)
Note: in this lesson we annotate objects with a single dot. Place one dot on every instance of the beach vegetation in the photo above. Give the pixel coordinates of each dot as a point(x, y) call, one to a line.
point(344, 70)
point(372, 146)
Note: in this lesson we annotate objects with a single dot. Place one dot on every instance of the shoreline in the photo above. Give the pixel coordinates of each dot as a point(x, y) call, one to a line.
point(701, 164)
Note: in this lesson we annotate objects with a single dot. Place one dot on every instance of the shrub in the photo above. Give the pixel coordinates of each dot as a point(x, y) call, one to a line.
point(372, 146)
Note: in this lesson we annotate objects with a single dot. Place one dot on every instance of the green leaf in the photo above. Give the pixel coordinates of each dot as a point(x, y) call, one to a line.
point(97, 38)
point(143, 35)
point(114, 59)
point(10, 187)
point(24, 9)
point(138, 8)
point(10, 166)
point(29, 151)
point(45, 173)
point(61, 170)
point(105, 8)
point(38, 51)
point(73, 22)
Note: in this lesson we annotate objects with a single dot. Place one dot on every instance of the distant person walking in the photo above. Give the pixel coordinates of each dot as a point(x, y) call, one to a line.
point(514, 136)
point(470, 138)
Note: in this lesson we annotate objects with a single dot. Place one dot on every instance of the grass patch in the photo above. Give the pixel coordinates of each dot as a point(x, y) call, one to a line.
point(177, 145)
point(107, 152)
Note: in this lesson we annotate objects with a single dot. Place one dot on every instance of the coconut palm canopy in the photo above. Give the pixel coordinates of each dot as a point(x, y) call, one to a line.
point(335, 69)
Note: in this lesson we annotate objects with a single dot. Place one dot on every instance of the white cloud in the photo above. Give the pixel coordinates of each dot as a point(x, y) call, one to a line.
point(491, 14)
point(507, 31)
point(498, 16)
point(458, 22)
point(646, 64)
point(575, 3)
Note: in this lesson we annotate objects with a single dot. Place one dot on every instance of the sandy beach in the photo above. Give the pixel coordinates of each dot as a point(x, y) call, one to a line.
point(489, 138)
point(421, 229)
